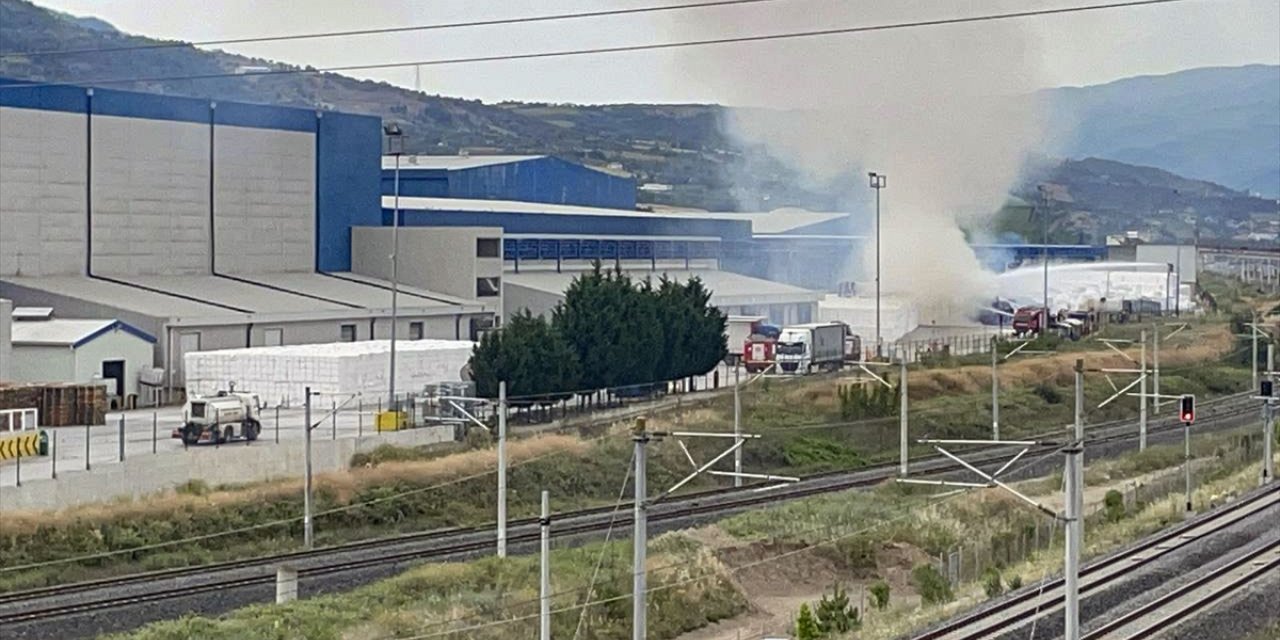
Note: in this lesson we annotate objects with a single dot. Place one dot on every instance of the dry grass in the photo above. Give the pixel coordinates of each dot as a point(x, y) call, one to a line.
point(342, 484)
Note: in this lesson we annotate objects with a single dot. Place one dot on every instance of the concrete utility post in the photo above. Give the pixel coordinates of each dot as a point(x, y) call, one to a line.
point(544, 573)
point(502, 469)
point(737, 428)
point(1269, 424)
point(902, 417)
point(639, 535)
point(306, 483)
point(1253, 330)
point(1142, 394)
point(1075, 513)
point(995, 389)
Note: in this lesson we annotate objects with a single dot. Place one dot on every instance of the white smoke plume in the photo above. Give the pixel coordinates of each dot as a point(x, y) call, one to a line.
point(942, 111)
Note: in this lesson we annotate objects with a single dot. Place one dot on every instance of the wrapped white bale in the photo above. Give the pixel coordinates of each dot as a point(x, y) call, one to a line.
point(281, 374)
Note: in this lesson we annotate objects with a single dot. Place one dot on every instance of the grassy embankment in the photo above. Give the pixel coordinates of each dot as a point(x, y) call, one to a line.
point(398, 490)
point(748, 563)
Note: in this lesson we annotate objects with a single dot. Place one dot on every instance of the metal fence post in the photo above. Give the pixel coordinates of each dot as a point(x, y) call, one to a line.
point(333, 418)
point(53, 454)
point(17, 470)
point(86, 446)
point(154, 432)
point(277, 424)
point(360, 420)
point(122, 437)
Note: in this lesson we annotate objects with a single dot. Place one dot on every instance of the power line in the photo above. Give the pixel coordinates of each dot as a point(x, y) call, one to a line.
point(565, 53)
point(387, 30)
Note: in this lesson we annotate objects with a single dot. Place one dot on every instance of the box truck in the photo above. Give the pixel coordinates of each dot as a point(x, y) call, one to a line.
point(802, 348)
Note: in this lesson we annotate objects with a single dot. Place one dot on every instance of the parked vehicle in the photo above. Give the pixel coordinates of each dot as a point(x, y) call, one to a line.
point(737, 331)
point(1133, 309)
point(220, 418)
point(803, 348)
point(758, 353)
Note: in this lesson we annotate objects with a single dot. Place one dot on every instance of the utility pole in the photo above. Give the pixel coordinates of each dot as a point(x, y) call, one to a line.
point(306, 483)
point(995, 389)
point(1155, 355)
point(1075, 513)
point(1142, 394)
point(502, 468)
point(737, 427)
point(1044, 255)
point(639, 535)
point(902, 417)
point(544, 574)
point(1253, 330)
point(878, 182)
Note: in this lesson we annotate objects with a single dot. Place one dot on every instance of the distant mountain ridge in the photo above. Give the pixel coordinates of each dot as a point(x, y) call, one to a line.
point(1198, 123)
point(1216, 123)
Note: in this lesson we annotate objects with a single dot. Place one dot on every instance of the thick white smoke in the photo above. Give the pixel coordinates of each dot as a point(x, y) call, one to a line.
point(940, 110)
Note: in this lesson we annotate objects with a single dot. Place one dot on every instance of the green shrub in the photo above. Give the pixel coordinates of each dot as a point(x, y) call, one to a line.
point(880, 594)
point(1048, 393)
point(1114, 506)
point(835, 614)
point(1015, 582)
point(932, 586)
point(806, 626)
point(193, 487)
point(815, 451)
point(991, 582)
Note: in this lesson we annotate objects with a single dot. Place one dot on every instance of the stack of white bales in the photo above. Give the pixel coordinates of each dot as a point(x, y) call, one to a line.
point(281, 374)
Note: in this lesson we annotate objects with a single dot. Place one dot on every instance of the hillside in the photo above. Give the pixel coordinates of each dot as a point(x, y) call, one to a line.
point(1145, 120)
point(1219, 124)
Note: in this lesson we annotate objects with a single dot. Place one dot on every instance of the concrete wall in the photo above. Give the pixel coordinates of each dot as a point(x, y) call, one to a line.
point(6, 339)
point(150, 196)
point(42, 202)
point(116, 345)
point(264, 200)
point(435, 258)
point(43, 364)
point(140, 476)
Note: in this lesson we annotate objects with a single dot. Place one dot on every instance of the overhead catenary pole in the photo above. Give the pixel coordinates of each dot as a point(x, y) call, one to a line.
point(737, 427)
point(502, 468)
point(995, 389)
point(1269, 423)
point(1186, 461)
point(639, 537)
point(1142, 394)
point(1253, 330)
point(1044, 255)
point(1075, 512)
point(306, 483)
point(878, 182)
point(544, 573)
point(902, 416)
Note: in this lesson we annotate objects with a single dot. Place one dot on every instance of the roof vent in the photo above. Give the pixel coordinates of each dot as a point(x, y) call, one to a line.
point(29, 314)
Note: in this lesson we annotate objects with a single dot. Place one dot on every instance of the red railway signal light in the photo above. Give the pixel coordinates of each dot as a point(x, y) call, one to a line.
point(1187, 409)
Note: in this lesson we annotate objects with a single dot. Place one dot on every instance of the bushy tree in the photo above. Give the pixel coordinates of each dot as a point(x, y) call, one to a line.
point(806, 626)
point(880, 594)
point(992, 583)
point(530, 356)
point(835, 614)
point(932, 586)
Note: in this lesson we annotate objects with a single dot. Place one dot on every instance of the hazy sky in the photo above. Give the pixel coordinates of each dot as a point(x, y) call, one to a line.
point(1075, 49)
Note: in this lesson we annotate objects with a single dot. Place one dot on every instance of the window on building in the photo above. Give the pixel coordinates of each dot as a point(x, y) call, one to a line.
point(348, 333)
point(415, 330)
point(273, 337)
point(488, 287)
point(488, 248)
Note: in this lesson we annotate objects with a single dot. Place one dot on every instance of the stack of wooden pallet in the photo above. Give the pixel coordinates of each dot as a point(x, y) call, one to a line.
point(60, 405)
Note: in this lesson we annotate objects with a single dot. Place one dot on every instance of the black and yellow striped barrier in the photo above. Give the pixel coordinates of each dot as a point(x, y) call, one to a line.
point(29, 443)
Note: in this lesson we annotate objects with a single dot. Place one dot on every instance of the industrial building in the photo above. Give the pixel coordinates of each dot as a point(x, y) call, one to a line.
point(543, 179)
point(205, 224)
point(112, 353)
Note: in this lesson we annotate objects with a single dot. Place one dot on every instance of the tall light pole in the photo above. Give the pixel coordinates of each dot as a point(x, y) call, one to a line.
point(395, 147)
point(1044, 253)
point(878, 182)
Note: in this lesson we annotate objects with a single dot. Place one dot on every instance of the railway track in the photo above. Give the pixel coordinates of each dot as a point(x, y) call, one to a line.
point(1169, 610)
point(1047, 599)
point(80, 598)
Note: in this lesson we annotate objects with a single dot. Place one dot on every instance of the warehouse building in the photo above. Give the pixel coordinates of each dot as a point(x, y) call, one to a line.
point(205, 224)
point(113, 353)
point(543, 179)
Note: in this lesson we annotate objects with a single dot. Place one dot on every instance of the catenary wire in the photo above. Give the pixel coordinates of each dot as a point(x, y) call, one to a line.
point(385, 30)
point(565, 53)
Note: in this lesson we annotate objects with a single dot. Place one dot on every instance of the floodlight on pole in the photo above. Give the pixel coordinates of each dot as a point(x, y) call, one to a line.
point(878, 181)
point(395, 147)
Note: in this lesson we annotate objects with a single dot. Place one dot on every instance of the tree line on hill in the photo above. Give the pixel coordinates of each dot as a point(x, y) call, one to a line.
point(609, 332)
